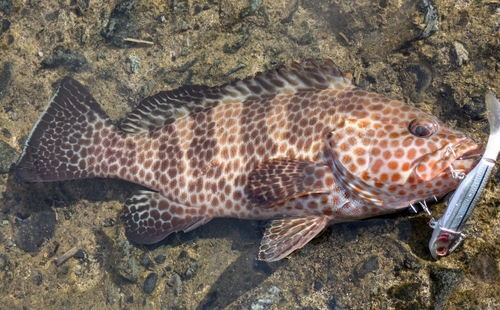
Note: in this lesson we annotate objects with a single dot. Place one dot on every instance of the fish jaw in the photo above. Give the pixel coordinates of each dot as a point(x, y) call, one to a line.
point(459, 159)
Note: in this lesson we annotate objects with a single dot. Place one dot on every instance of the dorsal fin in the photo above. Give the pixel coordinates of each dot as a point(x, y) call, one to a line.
point(167, 106)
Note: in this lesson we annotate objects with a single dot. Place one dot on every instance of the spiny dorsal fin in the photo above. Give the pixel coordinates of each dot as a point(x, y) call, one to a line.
point(167, 106)
point(284, 236)
point(280, 179)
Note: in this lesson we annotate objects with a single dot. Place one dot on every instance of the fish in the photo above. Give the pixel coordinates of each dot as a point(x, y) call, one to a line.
point(300, 146)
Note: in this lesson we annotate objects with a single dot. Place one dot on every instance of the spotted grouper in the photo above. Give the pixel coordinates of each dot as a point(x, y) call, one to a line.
point(301, 146)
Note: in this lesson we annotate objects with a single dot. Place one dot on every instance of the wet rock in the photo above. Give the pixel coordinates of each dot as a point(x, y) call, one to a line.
point(38, 279)
point(5, 78)
point(317, 285)
point(6, 6)
point(332, 304)
point(475, 108)
point(266, 300)
point(290, 9)
point(146, 261)
point(6, 133)
point(235, 47)
point(160, 259)
point(72, 60)
point(415, 80)
point(129, 269)
point(410, 262)
point(262, 266)
point(146, 90)
point(122, 24)
point(431, 18)
point(484, 268)
point(179, 6)
point(171, 293)
point(191, 270)
point(301, 35)
point(254, 4)
point(5, 25)
point(108, 222)
point(229, 12)
point(150, 283)
point(444, 281)
point(182, 255)
point(8, 157)
point(78, 270)
point(33, 230)
point(459, 54)
point(405, 291)
point(367, 266)
point(134, 63)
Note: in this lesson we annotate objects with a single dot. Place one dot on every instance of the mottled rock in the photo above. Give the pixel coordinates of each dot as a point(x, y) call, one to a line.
point(72, 60)
point(31, 231)
point(150, 283)
point(415, 80)
point(367, 266)
point(129, 269)
point(191, 270)
point(444, 281)
point(6, 6)
point(134, 63)
point(484, 268)
point(5, 25)
point(405, 291)
point(146, 261)
point(122, 24)
point(266, 300)
point(431, 18)
point(8, 157)
point(160, 259)
point(459, 54)
point(5, 78)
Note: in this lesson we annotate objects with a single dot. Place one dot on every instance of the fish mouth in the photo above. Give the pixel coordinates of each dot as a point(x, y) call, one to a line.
point(467, 154)
point(459, 158)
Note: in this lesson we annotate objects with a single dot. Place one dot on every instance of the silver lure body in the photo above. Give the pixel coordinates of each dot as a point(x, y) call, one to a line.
point(447, 234)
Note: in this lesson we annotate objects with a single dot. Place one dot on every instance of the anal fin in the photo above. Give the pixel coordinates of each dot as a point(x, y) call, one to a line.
point(284, 236)
point(150, 217)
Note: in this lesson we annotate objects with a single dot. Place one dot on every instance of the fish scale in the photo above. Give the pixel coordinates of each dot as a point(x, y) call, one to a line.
point(301, 146)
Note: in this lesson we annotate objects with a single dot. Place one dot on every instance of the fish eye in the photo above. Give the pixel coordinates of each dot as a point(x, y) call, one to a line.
point(422, 127)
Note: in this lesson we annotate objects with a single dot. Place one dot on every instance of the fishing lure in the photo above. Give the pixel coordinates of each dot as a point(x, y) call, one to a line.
point(447, 234)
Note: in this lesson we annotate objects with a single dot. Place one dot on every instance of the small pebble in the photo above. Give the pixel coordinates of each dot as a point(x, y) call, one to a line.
point(78, 270)
point(160, 259)
point(5, 222)
point(191, 270)
point(135, 63)
point(146, 262)
point(459, 53)
point(150, 283)
point(182, 255)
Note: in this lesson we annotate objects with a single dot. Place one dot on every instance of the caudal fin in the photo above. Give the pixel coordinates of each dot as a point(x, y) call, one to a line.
point(63, 143)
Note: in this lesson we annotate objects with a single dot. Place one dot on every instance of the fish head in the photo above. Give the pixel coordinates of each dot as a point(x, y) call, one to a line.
point(394, 155)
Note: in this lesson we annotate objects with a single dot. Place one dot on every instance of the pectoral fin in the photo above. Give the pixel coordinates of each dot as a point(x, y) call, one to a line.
point(277, 180)
point(284, 236)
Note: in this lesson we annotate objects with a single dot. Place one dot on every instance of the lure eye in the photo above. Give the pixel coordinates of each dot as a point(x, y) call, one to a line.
point(422, 127)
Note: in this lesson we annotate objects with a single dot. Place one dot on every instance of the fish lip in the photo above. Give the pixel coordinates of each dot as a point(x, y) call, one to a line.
point(473, 151)
point(472, 154)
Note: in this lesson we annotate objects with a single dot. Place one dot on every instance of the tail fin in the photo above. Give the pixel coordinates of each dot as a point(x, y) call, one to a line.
point(63, 141)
